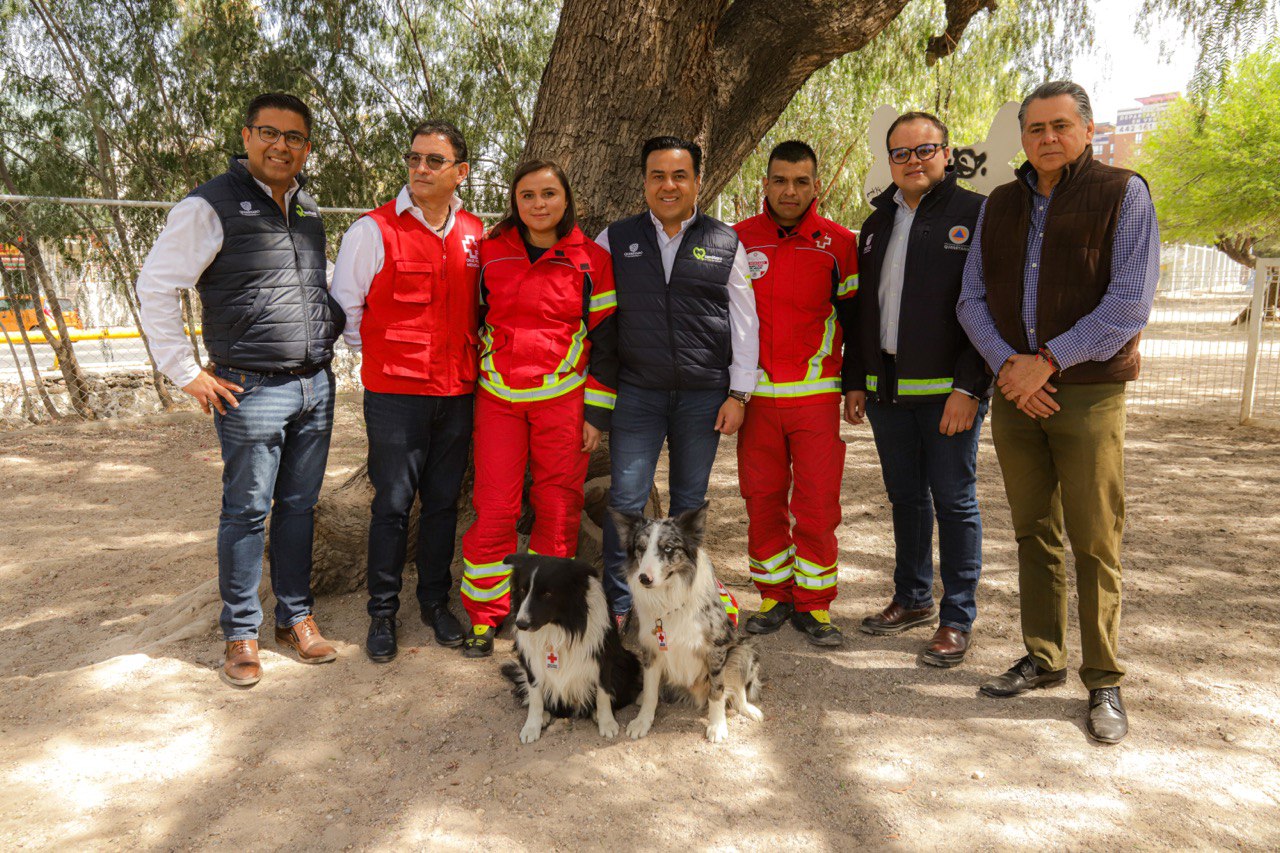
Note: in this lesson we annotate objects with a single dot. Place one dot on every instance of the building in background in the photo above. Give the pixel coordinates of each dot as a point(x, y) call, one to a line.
point(1102, 145)
point(1126, 139)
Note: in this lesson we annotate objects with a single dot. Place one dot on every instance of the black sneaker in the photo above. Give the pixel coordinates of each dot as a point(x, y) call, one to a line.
point(817, 625)
point(769, 617)
point(381, 644)
point(480, 643)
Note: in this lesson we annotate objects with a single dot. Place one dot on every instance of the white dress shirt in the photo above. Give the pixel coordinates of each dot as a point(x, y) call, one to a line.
point(891, 273)
point(191, 239)
point(744, 324)
point(360, 258)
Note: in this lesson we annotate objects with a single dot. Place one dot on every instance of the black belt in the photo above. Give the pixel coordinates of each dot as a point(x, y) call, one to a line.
point(305, 371)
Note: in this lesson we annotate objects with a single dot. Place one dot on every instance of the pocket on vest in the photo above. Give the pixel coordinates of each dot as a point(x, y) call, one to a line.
point(408, 353)
point(413, 282)
point(469, 365)
point(251, 316)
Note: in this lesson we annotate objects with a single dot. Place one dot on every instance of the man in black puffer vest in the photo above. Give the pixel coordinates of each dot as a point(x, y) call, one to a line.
point(252, 243)
point(688, 344)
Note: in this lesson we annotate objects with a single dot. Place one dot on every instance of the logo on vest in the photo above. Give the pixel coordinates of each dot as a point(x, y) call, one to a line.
point(246, 209)
point(824, 242)
point(958, 236)
point(757, 264)
point(866, 247)
point(700, 253)
point(472, 249)
point(302, 211)
point(633, 251)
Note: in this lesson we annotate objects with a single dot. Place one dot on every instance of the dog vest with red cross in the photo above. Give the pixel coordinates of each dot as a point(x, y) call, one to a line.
point(729, 602)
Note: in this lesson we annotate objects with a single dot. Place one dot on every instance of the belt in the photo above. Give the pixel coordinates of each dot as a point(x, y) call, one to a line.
point(305, 371)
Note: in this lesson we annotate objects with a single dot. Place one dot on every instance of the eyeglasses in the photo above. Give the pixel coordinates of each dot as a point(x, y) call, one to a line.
point(434, 162)
point(270, 135)
point(922, 152)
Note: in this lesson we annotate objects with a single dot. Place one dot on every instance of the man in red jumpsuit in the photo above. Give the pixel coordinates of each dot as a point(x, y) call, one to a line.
point(804, 273)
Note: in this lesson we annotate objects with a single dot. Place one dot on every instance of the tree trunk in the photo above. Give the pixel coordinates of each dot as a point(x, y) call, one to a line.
point(36, 378)
point(716, 72)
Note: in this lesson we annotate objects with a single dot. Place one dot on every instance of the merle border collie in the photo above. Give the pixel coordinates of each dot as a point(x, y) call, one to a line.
point(572, 663)
point(687, 640)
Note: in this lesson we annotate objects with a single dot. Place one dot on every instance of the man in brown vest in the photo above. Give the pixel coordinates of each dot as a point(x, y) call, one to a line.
point(1057, 289)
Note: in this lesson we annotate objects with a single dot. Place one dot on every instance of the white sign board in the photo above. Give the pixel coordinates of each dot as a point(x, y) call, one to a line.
point(984, 165)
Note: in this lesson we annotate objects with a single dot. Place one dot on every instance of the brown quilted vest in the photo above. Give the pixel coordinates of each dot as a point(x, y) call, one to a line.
point(1075, 259)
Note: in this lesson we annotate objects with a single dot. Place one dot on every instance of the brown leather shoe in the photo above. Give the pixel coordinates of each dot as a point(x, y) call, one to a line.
point(241, 668)
point(304, 638)
point(895, 619)
point(948, 647)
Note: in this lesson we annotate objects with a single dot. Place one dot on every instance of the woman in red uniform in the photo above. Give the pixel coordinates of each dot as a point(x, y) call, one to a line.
point(548, 372)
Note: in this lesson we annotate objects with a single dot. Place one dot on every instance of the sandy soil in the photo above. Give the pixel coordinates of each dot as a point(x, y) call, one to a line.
point(103, 746)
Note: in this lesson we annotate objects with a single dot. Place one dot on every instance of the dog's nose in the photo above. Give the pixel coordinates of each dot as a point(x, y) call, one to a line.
point(523, 624)
point(645, 580)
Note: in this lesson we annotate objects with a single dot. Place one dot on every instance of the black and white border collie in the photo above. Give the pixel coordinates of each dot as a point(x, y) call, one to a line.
point(686, 637)
point(572, 663)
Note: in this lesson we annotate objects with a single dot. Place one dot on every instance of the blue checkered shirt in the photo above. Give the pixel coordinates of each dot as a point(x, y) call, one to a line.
point(1098, 335)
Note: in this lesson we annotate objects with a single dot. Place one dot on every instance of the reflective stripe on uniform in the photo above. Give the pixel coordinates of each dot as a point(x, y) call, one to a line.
point(603, 399)
point(729, 602)
point(767, 388)
point(824, 349)
point(920, 387)
point(476, 571)
point(552, 386)
point(474, 592)
point(774, 570)
point(479, 571)
point(873, 382)
point(848, 286)
point(601, 301)
point(575, 351)
point(812, 576)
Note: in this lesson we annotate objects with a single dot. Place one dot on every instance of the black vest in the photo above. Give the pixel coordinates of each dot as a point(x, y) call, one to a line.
point(674, 334)
point(265, 302)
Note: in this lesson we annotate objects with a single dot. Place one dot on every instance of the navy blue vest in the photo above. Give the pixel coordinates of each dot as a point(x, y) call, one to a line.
point(673, 334)
point(265, 303)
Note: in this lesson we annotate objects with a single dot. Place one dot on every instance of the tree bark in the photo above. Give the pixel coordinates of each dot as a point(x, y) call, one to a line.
point(716, 72)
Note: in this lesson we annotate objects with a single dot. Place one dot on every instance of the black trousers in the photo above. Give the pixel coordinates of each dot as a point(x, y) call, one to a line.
point(417, 447)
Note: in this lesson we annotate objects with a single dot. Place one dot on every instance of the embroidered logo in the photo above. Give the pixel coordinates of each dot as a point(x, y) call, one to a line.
point(866, 248)
point(302, 211)
point(824, 242)
point(700, 253)
point(472, 248)
point(757, 264)
point(958, 234)
point(633, 251)
point(246, 209)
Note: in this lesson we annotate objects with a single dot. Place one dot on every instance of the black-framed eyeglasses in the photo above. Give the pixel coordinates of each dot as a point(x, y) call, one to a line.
point(269, 135)
point(434, 162)
point(922, 152)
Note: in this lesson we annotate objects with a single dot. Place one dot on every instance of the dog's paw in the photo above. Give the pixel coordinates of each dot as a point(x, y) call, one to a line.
point(608, 728)
point(718, 732)
point(639, 727)
point(751, 712)
point(530, 732)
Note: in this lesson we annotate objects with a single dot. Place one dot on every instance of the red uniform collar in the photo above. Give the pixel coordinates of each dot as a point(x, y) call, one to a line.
point(808, 228)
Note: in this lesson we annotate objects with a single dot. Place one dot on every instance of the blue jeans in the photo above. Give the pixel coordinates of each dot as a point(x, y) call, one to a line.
point(274, 450)
point(417, 447)
point(928, 473)
point(642, 420)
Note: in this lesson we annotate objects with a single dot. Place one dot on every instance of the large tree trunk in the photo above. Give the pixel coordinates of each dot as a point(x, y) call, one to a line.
point(1240, 248)
point(716, 72)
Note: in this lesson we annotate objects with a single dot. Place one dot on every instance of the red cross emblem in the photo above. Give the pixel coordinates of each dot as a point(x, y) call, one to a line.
point(553, 662)
point(824, 242)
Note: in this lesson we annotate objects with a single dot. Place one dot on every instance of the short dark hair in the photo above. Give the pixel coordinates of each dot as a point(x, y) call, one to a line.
point(437, 127)
point(671, 143)
point(793, 151)
point(1053, 89)
point(513, 220)
point(919, 115)
point(277, 101)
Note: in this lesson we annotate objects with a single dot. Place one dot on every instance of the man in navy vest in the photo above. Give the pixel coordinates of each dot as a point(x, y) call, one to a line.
point(252, 244)
point(688, 344)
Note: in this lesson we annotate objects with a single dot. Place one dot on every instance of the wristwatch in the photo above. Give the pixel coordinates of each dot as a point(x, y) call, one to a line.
point(741, 396)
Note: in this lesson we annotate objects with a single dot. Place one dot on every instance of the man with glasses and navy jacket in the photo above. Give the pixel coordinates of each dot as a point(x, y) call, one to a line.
point(408, 278)
point(252, 244)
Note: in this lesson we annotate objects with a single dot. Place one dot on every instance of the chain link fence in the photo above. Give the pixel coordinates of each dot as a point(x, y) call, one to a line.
point(86, 254)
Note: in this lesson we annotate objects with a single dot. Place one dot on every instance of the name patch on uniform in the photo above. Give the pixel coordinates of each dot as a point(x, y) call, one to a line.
point(757, 264)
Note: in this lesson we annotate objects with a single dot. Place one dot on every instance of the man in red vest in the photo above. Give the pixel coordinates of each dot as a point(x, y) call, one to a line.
point(407, 277)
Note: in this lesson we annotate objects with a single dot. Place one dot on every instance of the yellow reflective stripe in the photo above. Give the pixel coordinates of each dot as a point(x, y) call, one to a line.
point(812, 576)
point(828, 341)
point(575, 350)
point(553, 386)
point(475, 571)
point(601, 301)
point(849, 285)
point(486, 360)
point(920, 387)
point(872, 381)
point(474, 593)
point(776, 560)
point(766, 388)
point(771, 578)
point(603, 399)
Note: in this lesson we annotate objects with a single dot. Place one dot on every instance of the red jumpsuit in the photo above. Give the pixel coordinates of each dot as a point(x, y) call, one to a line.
point(790, 455)
point(548, 359)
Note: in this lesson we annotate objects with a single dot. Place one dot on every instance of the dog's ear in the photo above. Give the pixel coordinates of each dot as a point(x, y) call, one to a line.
point(627, 524)
point(520, 564)
point(693, 524)
point(588, 570)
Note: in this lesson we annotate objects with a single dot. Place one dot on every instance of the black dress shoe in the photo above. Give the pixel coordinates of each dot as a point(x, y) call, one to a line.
point(772, 616)
point(444, 624)
point(381, 644)
point(1108, 723)
point(1023, 676)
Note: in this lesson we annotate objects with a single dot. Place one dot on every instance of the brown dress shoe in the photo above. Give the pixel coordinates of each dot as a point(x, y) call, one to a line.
point(895, 619)
point(241, 667)
point(948, 647)
point(304, 638)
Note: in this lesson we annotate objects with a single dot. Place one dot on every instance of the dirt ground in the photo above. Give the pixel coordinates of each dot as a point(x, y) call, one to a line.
point(106, 746)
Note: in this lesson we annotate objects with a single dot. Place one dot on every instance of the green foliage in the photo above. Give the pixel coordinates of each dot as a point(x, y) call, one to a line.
point(1223, 29)
point(1000, 56)
point(1217, 171)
